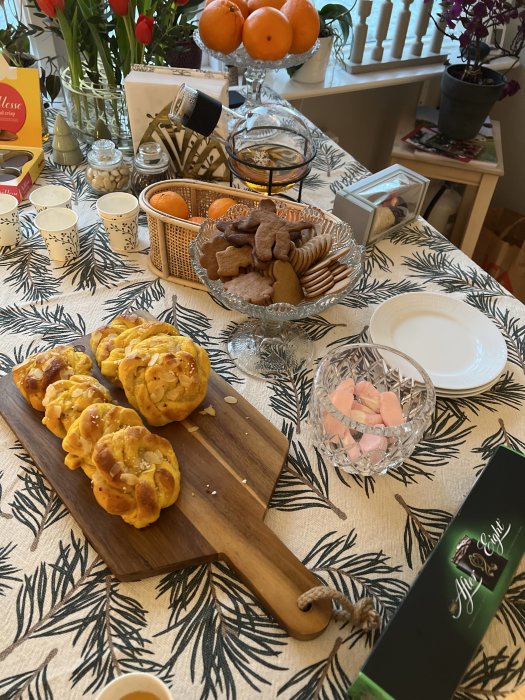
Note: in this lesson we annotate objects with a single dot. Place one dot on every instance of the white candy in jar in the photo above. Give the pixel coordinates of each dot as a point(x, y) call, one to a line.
point(106, 171)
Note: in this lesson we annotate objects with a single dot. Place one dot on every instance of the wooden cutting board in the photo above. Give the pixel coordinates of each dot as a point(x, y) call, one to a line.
point(229, 468)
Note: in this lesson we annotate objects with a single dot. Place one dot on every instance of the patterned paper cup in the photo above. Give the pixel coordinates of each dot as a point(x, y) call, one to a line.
point(117, 206)
point(49, 196)
point(58, 227)
point(122, 232)
point(10, 234)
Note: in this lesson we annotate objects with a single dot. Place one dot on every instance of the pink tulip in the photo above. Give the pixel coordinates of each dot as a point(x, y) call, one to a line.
point(144, 29)
point(50, 7)
point(119, 7)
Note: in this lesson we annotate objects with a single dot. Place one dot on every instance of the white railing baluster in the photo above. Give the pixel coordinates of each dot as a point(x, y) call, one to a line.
point(401, 30)
point(382, 29)
point(421, 27)
point(437, 37)
point(361, 30)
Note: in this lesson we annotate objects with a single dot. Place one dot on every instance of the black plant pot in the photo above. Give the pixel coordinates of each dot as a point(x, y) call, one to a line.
point(465, 106)
point(184, 54)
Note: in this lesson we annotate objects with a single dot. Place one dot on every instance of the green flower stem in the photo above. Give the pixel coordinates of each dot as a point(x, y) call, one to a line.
point(132, 42)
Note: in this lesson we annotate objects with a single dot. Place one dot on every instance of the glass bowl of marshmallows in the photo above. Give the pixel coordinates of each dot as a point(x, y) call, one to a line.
point(370, 406)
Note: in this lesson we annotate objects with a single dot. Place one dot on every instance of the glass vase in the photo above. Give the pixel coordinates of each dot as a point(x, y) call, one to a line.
point(87, 104)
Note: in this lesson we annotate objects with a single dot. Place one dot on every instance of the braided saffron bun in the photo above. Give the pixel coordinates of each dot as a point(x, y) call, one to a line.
point(66, 399)
point(101, 340)
point(38, 371)
point(124, 343)
point(136, 475)
point(165, 377)
point(94, 422)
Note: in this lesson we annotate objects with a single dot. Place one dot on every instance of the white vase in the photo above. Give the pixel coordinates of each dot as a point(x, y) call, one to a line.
point(314, 70)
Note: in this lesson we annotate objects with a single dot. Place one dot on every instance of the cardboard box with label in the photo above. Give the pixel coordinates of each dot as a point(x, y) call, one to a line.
point(21, 154)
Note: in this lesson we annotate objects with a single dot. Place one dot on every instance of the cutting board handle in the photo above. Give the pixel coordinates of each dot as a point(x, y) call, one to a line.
point(277, 578)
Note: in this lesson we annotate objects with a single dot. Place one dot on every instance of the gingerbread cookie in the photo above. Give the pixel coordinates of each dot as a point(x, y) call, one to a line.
point(286, 288)
point(208, 258)
point(230, 261)
point(255, 288)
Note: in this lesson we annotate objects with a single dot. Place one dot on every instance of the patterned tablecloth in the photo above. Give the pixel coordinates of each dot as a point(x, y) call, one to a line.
point(68, 627)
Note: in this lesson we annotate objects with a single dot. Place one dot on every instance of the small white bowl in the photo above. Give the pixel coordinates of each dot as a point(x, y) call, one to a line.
point(135, 683)
point(117, 205)
point(50, 196)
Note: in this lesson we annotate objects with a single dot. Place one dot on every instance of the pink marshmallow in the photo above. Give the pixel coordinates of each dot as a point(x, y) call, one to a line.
point(334, 428)
point(352, 448)
point(373, 445)
point(390, 409)
point(356, 406)
point(368, 394)
point(366, 418)
point(343, 396)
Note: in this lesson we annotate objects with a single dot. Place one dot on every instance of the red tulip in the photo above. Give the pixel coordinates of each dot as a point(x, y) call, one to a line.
point(144, 29)
point(119, 7)
point(50, 7)
point(181, 2)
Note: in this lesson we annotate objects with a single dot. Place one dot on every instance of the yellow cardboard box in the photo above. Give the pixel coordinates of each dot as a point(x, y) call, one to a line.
point(21, 154)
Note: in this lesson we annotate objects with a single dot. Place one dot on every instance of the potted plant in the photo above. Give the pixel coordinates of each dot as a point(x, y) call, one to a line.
point(335, 24)
point(470, 89)
point(173, 39)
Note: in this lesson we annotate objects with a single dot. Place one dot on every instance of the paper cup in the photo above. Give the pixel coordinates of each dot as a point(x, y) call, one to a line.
point(135, 683)
point(122, 232)
point(117, 205)
point(10, 234)
point(58, 227)
point(50, 196)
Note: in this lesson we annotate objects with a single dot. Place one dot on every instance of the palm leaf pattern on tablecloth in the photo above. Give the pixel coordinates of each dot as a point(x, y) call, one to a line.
point(492, 442)
point(32, 683)
point(8, 571)
point(351, 173)
point(290, 396)
point(54, 325)
point(357, 575)
point(421, 235)
point(20, 352)
point(3, 514)
point(322, 680)
point(507, 391)
point(370, 291)
point(29, 273)
point(488, 673)
point(512, 609)
point(97, 264)
point(328, 158)
point(376, 258)
point(135, 296)
point(300, 485)
point(423, 528)
point(212, 613)
point(442, 440)
point(35, 504)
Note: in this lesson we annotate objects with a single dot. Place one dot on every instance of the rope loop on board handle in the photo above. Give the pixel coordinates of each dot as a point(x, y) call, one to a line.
point(361, 614)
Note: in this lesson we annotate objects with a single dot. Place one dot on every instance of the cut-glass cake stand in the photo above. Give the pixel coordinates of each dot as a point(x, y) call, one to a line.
point(269, 343)
point(255, 71)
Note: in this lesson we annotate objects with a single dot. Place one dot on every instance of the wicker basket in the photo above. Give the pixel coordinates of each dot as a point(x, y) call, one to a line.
point(170, 236)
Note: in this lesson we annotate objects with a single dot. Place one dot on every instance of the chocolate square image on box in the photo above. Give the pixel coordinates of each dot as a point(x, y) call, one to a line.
point(471, 558)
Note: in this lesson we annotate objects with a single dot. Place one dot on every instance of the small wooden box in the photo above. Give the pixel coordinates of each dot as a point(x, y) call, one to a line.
point(381, 203)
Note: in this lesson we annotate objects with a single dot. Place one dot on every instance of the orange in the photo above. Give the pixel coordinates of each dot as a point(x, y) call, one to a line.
point(220, 26)
point(267, 34)
point(241, 4)
point(257, 4)
point(170, 203)
point(304, 19)
point(220, 206)
point(197, 219)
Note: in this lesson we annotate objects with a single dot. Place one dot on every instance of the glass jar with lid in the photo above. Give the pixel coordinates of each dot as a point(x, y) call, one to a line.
point(150, 164)
point(106, 171)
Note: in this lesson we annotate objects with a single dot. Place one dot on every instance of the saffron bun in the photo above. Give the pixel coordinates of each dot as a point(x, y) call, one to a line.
point(65, 400)
point(123, 344)
point(136, 475)
point(38, 371)
point(165, 377)
point(101, 340)
point(93, 423)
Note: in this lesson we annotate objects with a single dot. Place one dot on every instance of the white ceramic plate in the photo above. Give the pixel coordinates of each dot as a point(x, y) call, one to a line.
point(460, 348)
